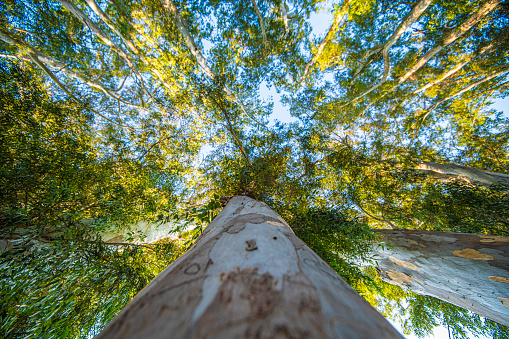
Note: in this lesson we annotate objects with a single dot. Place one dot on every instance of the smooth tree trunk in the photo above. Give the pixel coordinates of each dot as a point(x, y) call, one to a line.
point(469, 174)
point(467, 270)
point(248, 276)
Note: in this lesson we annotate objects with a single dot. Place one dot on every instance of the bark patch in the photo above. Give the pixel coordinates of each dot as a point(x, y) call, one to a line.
point(469, 253)
point(504, 280)
point(250, 305)
point(505, 301)
point(493, 238)
point(402, 263)
point(238, 223)
point(399, 278)
point(275, 223)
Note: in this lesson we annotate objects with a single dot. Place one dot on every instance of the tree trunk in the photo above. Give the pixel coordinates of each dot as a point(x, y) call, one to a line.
point(248, 276)
point(469, 174)
point(468, 270)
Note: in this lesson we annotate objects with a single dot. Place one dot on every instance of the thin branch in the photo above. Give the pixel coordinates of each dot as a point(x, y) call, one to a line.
point(101, 35)
point(63, 88)
point(460, 92)
point(260, 20)
point(181, 24)
point(285, 16)
point(104, 17)
point(472, 20)
point(414, 14)
point(330, 34)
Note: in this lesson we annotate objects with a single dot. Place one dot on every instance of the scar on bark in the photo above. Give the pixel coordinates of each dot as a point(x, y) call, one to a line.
point(251, 245)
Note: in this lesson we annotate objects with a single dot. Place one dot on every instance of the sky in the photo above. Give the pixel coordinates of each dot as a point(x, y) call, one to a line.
point(321, 22)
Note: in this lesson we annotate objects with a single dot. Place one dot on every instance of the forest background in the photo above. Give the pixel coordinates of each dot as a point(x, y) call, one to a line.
point(107, 108)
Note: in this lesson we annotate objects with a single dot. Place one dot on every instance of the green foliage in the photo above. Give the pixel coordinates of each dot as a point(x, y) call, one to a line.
point(73, 288)
point(337, 237)
point(96, 137)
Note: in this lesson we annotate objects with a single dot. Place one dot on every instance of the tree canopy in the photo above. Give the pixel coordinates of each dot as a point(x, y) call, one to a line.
point(115, 112)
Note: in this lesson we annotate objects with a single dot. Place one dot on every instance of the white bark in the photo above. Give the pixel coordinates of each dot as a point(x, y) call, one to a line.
point(285, 16)
point(468, 270)
point(472, 20)
point(248, 276)
point(469, 174)
point(455, 69)
point(59, 66)
point(101, 35)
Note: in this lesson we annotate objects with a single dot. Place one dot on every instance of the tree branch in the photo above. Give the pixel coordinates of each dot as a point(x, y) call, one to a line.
point(330, 34)
point(472, 20)
point(260, 20)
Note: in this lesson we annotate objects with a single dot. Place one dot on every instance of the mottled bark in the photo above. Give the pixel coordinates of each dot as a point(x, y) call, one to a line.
point(469, 174)
point(248, 276)
point(467, 270)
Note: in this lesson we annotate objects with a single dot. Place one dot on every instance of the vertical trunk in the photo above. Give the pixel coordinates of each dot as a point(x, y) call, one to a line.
point(248, 276)
point(468, 270)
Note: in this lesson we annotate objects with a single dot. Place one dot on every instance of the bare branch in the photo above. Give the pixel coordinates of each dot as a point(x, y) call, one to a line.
point(414, 14)
point(330, 34)
point(23, 46)
point(472, 20)
point(104, 17)
point(101, 35)
point(260, 20)
point(181, 24)
point(460, 92)
point(455, 69)
point(285, 16)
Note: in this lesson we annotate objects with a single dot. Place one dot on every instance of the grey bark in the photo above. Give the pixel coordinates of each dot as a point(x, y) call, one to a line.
point(469, 174)
point(248, 276)
point(467, 270)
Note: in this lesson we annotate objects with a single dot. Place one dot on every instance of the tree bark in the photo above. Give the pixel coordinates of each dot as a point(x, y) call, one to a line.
point(248, 276)
point(467, 270)
point(469, 174)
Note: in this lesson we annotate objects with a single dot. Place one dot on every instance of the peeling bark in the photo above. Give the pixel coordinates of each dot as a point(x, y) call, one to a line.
point(469, 174)
point(248, 276)
point(467, 270)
